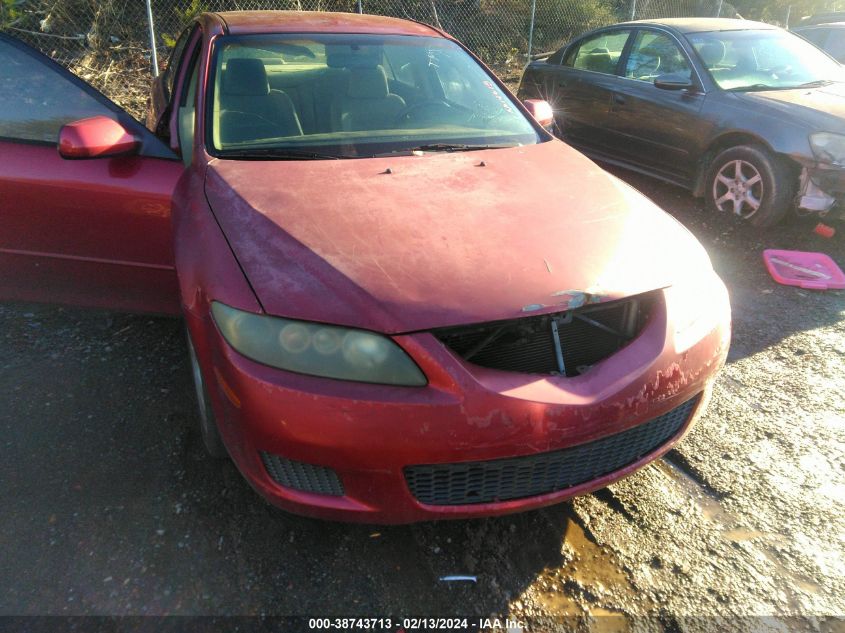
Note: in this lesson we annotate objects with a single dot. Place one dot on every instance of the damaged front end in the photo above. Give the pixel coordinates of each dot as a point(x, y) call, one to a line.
point(567, 343)
point(822, 185)
point(822, 190)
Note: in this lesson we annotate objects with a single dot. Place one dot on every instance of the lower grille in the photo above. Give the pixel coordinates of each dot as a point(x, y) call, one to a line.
point(584, 337)
point(302, 476)
point(519, 477)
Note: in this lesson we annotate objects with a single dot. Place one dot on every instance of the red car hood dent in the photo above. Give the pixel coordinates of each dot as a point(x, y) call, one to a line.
point(442, 240)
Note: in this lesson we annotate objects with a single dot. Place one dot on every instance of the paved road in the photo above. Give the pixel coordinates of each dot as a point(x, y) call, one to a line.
point(110, 507)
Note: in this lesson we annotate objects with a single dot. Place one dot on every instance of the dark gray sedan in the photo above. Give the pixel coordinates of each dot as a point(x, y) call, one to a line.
point(746, 114)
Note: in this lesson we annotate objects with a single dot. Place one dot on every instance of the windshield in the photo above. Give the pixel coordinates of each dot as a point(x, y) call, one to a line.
point(763, 60)
point(346, 96)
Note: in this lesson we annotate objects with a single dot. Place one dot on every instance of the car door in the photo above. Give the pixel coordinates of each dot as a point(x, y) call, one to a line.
point(656, 128)
point(92, 232)
point(581, 87)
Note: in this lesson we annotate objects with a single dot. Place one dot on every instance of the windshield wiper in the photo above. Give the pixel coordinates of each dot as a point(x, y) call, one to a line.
point(279, 153)
point(818, 83)
point(444, 147)
point(457, 147)
point(754, 88)
point(761, 87)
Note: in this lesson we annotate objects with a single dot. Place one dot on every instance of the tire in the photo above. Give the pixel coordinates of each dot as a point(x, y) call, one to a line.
point(749, 182)
point(207, 423)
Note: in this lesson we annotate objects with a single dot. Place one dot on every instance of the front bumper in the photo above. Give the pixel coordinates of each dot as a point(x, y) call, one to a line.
point(369, 435)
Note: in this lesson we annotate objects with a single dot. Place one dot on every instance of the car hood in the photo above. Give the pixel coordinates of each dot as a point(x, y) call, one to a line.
point(821, 108)
point(415, 242)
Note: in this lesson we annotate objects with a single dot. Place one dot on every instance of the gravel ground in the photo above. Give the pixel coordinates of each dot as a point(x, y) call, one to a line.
point(111, 508)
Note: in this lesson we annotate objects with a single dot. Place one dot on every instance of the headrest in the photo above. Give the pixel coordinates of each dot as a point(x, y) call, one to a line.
point(368, 83)
point(245, 77)
point(712, 53)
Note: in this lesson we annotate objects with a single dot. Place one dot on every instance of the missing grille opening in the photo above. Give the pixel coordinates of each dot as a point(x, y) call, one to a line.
point(564, 343)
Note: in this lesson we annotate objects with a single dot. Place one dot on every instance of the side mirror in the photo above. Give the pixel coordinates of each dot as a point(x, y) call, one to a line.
point(96, 137)
point(676, 81)
point(542, 111)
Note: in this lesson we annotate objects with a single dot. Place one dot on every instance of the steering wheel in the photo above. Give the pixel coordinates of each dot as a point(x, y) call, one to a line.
point(415, 110)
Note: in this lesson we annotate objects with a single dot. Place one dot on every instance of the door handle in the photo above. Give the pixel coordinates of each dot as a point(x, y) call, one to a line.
point(618, 99)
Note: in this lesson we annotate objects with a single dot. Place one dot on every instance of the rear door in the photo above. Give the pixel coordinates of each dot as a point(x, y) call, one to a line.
point(582, 86)
point(92, 232)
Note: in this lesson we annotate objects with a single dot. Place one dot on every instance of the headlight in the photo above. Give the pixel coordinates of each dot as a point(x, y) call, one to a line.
point(829, 148)
point(695, 307)
point(316, 349)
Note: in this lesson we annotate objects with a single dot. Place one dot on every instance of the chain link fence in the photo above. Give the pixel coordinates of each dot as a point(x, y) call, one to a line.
point(107, 42)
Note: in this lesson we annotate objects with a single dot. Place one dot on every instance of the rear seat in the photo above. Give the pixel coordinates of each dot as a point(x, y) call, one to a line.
point(312, 93)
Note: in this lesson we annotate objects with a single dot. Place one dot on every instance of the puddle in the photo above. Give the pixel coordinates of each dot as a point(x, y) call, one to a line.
point(591, 573)
point(795, 580)
point(710, 507)
point(741, 535)
point(607, 621)
point(713, 511)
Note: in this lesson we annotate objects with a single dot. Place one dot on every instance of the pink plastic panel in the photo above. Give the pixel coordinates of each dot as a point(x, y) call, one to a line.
point(815, 271)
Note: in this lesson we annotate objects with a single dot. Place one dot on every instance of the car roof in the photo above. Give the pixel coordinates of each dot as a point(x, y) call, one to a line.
point(242, 22)
point(700, 25)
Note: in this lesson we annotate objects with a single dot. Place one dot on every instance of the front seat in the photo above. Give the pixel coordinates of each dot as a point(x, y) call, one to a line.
point(249, 110)
point(368, 104)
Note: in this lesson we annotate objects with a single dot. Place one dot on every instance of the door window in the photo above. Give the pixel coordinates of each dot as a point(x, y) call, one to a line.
point(187, 110)
point(400, 65)
point(169, 76)
point(456, 87)
point(599, 53)
point(836, 45)
point(656, 54)
point(816, 36)
point(36, 101)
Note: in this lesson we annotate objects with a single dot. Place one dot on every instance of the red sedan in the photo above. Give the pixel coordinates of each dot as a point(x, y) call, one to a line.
point(405, 300)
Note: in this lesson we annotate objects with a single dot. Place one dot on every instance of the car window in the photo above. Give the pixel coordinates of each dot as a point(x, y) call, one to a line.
point(457, 88)
point(816, 36)
point(836, 45)
point(36, 101)
point(399, 65)
point(656, 54)
point(169, 76)
point(356, 95)
point(763, 59)
point(599, 53)
point(187, 110)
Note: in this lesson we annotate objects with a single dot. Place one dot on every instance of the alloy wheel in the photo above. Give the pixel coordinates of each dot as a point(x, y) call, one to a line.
point(738, 188)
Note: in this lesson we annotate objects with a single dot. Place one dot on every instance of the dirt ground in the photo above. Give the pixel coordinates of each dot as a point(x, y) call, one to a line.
point(110, 507)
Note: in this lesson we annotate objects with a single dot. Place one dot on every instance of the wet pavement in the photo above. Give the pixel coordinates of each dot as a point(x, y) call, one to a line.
point(110, 507)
